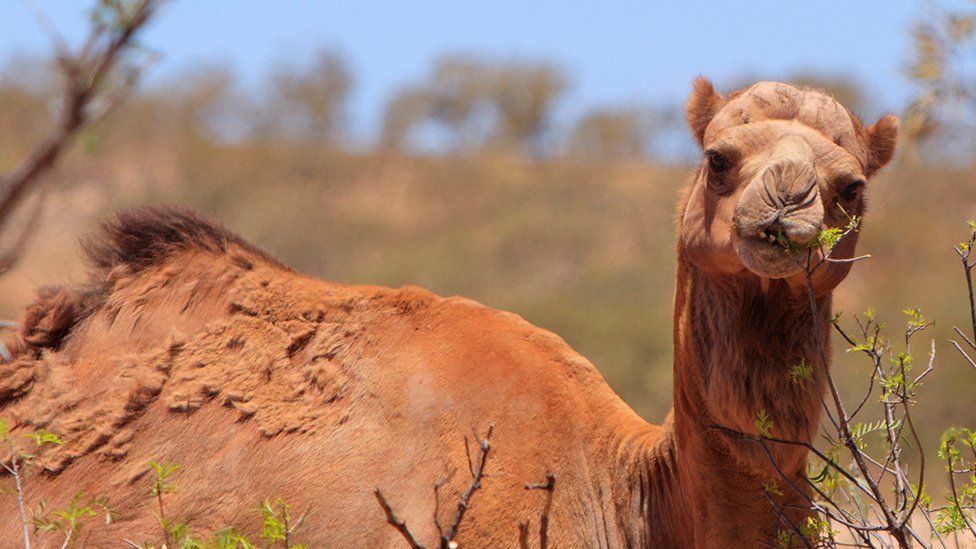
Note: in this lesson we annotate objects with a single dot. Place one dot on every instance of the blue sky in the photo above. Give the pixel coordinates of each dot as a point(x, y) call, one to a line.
point(614, 51)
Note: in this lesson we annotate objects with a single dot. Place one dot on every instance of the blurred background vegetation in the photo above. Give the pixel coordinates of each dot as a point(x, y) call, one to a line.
point(472, 188)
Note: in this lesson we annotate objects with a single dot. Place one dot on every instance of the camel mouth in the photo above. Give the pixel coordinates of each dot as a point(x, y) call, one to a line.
point(769, 257)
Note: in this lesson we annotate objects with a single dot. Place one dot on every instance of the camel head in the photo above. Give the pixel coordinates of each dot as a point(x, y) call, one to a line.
point(779, 165)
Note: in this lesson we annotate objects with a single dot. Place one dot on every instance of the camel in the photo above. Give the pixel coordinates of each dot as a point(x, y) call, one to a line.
point(370, 406)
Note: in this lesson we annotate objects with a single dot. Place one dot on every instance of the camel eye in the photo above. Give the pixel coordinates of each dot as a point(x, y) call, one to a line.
point(718, 162)
point(851, 191)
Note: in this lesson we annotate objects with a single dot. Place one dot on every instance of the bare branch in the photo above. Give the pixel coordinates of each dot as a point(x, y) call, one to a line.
point(477, 469)
point(965, 337)
point(484, 446)
point(395, 522)
point(83, 75)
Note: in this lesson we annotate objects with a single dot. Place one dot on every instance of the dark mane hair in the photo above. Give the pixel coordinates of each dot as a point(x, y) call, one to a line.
point(148, 236)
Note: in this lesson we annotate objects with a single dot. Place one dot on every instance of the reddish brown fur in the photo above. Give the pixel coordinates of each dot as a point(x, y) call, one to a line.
point(190, 346)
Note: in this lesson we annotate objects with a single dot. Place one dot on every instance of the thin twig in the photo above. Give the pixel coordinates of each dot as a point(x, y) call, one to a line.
point(963, 353)
point(965, 337)
point(19, 486)
point(477, 472)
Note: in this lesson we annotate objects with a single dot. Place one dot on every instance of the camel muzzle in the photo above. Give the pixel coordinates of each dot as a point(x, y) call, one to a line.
point(782, 202)
point(780, 210)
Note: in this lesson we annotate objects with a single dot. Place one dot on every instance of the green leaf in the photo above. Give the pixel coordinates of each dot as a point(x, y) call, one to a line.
point(764, 423)
point(915, 318)
point(801, 373)
point(772, 487)
point(42, 437)
point(274, 520)
point(785, 539)
point(828, 238)
point(163, 472)
point(862, 430)
point(949, 519)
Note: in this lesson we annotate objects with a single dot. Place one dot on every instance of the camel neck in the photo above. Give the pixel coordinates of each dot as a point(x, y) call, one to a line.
point(744, 349)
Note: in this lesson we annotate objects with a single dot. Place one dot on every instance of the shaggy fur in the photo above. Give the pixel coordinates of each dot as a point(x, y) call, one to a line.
point(190, 346)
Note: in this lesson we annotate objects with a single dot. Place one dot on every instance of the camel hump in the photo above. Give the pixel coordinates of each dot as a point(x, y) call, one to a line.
point(136, 242)
point(150, 236)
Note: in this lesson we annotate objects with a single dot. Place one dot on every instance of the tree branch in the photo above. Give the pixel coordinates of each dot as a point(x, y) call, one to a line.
point(83, 75)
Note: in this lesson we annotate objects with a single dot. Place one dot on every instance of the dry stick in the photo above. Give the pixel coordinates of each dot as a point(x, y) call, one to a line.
point(83, 74)
point(395, 522)
point(964, 337)
point(963, 353)
point(550, 487)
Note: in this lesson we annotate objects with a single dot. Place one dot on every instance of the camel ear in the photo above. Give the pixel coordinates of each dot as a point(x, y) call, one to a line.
point(879, 140)
point(702, 105)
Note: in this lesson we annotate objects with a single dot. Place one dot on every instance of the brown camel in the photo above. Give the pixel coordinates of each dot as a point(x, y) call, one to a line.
point(190, 346)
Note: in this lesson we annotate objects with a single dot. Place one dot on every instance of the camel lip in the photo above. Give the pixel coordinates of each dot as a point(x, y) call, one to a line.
point(768, 259)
